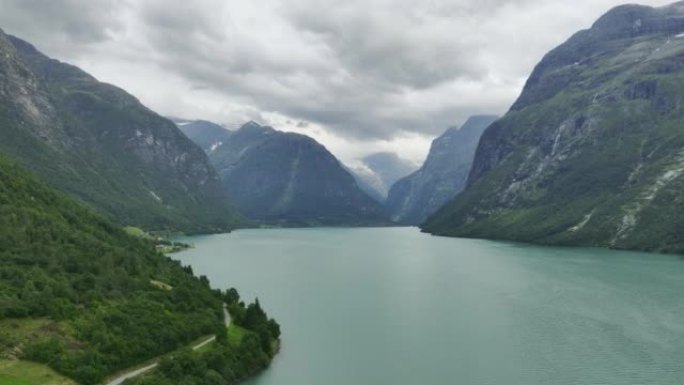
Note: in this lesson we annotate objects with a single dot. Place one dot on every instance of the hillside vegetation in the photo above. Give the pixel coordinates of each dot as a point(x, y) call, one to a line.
point(98, 143)
point(81, 295)
point(247, 345)
point(592, 153)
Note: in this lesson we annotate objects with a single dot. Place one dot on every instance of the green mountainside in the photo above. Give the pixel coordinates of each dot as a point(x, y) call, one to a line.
point(100, 144)
point(81, 295)
point(592, 152)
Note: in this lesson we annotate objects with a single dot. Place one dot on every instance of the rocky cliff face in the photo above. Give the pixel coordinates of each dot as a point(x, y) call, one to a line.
point(289, 179)
point(592, 152)
point(99, 143)
point(443, 175)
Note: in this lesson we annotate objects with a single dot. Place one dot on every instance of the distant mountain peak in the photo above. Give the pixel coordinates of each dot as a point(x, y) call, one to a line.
point(210, 136)
point(413, 198)
point(286, 178)
point(251, 125)
point(633, 20)
point(379, 171)
point(381, 155)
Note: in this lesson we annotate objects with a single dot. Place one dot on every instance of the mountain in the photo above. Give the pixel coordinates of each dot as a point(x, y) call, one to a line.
point(592, 152)
point(443, 175)
point(80, 295)
point(290, 179)
point(205, 134)
point(100, 144)
point(378, 172)
point(367, 180)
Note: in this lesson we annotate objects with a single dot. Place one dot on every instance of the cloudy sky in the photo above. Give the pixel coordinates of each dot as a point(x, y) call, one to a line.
point(359, 75)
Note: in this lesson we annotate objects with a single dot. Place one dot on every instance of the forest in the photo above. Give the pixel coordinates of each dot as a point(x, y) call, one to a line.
point(228, 361)
point(81, 295)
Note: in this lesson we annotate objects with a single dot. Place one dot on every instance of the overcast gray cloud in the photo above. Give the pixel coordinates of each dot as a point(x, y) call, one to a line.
point(62, 23)
point(359, 74)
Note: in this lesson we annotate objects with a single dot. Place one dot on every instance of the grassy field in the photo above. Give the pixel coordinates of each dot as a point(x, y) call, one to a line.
point(13, 331)
point(29, 373)
point(16, 332)
point(137, 232)
point(235, 334)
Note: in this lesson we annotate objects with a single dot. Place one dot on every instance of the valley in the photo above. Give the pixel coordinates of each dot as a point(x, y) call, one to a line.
point(364, 194)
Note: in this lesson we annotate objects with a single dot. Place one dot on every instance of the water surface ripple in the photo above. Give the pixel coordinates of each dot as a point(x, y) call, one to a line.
point(394, 306)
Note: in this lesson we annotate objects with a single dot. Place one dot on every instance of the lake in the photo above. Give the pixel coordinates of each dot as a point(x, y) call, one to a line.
point(393, 306)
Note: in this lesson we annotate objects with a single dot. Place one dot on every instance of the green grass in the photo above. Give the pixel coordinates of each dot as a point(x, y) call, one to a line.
point(29, 373)
point(137, 232)
point(235, 334)
point(19, 332)
point(22, 326)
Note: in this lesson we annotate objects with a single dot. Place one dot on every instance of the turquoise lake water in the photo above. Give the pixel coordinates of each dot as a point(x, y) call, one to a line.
point(392, 306)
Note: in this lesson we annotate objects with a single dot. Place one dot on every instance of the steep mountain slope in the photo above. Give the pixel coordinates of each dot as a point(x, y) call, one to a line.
point(79, 294)
point(100, 144)
point(443, 175)
point(290, 179)
point(205, 134)
point(381, 170)
point(592, 153)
